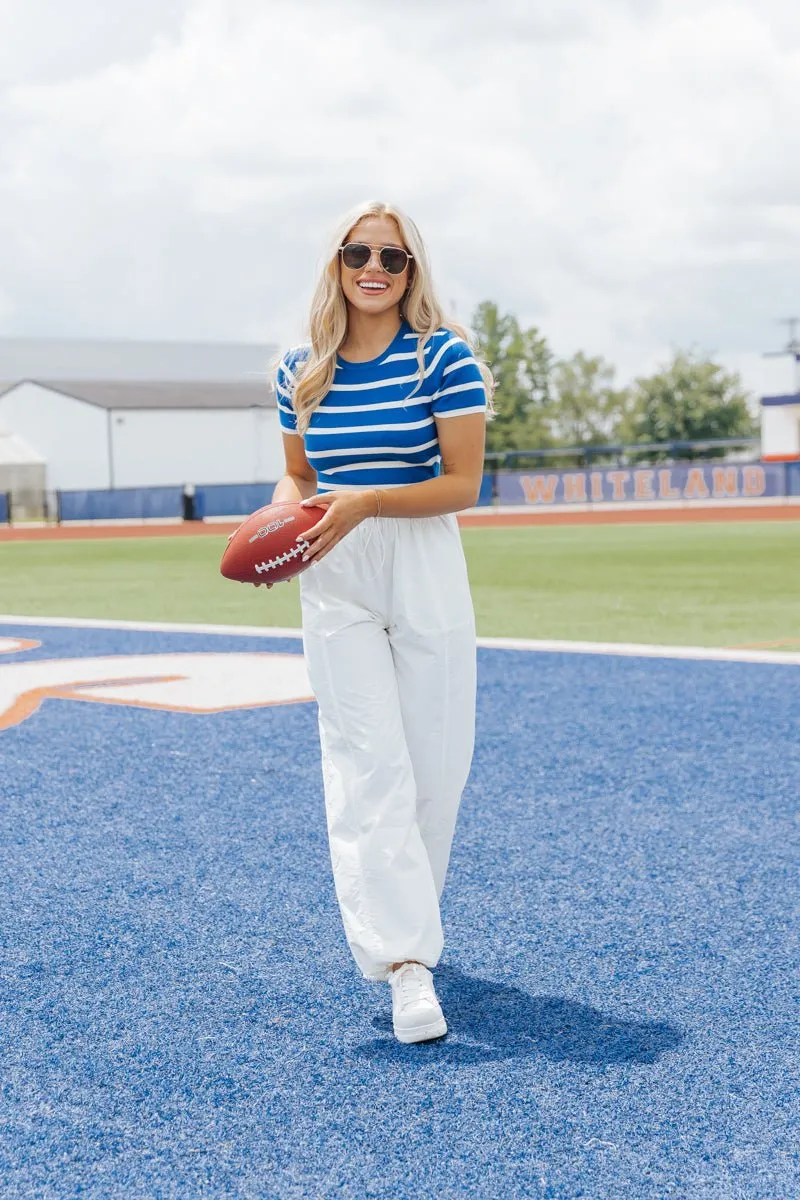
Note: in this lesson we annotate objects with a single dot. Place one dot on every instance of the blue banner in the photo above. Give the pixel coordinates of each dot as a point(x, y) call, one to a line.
point(121, 504)
point(626, 485)
point(240, 499)
point(793, 479)
point(4, 508)
point(231, 499)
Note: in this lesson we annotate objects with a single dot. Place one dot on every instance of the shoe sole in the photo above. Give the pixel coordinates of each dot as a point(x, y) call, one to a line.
point(422, 1033)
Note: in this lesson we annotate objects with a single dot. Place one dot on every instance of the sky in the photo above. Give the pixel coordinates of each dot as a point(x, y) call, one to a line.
point(623, 174)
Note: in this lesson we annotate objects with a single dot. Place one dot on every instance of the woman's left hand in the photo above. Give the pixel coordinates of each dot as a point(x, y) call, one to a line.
point(345, 511)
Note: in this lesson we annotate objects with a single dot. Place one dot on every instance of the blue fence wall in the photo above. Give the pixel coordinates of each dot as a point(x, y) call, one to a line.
point(793, 479)
point(676, 481)
point(694, 481)
point(121, 504)
point(237, 499)
point(487, 490)
point(5, 513)
point(231, 499)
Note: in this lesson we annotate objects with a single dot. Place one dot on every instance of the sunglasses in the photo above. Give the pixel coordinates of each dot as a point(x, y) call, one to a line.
point(393, 259)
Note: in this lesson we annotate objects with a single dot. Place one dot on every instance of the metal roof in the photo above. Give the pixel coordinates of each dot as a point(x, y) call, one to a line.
point(157, 394)
point(48, 359)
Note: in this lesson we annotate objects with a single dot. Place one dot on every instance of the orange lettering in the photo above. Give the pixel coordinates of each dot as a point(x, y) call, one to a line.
point(597, 485)
point(696, 486)
point(643, 485)
point(665, 489)
point(539, 489)
point(574, 488)
point(725, 483)
point(754, 481)
point(618, 480)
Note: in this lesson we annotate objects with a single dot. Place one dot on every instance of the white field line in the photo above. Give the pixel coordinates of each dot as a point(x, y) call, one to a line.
point(606, 506)
point(620, 649)
point(152, 626)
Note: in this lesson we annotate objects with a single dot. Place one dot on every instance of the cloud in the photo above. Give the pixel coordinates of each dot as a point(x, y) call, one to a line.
point(622, 175)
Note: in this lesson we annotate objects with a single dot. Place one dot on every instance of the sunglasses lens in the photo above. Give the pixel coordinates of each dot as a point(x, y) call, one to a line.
point(393, 260)
point(355, 255)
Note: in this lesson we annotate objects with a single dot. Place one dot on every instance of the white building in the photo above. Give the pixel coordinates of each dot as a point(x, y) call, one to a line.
point(780, 428)
point(138, 414)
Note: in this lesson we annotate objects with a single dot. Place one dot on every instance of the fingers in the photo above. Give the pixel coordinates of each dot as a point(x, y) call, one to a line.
point(321, 547)
point(328, 537)
point(321, 501)
point(322, 526)
point(316, 530)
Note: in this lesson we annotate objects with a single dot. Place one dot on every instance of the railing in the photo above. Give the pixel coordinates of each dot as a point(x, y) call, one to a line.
point(618, 453)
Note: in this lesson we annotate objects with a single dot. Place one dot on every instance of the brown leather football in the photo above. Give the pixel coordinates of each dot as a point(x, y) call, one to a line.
point(265, 549)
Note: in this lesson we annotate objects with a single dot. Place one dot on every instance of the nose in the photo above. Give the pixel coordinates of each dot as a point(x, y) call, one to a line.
point(374, 260)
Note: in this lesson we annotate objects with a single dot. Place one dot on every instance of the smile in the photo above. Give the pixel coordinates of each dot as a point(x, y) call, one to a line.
point(372, 285)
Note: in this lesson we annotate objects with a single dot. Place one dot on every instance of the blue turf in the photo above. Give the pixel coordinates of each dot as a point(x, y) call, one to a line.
point(181, 1017)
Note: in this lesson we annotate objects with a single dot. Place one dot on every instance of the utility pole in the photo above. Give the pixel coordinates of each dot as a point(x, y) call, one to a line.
point(792, 347)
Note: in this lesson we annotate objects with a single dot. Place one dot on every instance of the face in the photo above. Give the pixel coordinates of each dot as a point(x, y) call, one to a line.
point(371, 289)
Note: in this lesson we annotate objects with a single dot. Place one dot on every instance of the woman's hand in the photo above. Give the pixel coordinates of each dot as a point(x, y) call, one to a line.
point(345, 511)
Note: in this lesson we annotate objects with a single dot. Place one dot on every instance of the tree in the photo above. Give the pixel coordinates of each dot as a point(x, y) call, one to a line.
point(589, 411)
point(521, 362)
point(691, 399)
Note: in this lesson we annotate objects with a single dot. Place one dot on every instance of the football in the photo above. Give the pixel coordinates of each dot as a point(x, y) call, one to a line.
point(265, 549)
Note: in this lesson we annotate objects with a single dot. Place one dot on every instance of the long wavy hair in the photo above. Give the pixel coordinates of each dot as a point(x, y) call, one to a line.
point(328, 319)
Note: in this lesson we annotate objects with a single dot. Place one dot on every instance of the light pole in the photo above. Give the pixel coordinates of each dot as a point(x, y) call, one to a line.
point(792, 347)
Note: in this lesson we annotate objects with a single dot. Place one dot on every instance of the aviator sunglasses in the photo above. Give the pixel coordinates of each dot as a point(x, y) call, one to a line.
point(393, 259)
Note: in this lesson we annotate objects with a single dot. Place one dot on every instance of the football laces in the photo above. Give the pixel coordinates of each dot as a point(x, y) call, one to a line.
point(272, 563)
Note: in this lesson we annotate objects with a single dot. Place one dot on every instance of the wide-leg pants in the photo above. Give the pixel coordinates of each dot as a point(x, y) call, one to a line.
point(389, 639)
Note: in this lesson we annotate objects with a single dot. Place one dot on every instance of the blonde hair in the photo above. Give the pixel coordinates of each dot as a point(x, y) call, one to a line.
point(328, 318)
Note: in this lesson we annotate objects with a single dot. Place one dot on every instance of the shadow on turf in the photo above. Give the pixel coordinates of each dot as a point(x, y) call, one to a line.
point(494, 1021)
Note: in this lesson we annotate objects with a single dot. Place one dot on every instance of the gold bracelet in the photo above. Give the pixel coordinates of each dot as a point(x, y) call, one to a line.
point(379, 499)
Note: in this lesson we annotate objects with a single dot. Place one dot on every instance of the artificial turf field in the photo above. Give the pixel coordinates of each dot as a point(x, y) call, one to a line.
point(180, 1015)
point(699, 584)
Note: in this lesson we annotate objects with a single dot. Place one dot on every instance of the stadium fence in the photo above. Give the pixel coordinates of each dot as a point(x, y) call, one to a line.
point(628, 481)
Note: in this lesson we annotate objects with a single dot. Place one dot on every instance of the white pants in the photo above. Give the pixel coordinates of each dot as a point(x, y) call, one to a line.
point(389, 637)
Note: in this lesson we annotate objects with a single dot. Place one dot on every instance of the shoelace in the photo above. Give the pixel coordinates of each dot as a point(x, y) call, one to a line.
point(413, 984)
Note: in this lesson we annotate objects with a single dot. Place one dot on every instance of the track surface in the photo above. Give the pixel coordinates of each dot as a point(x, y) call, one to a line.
point(628, 516)
point(181, 1016)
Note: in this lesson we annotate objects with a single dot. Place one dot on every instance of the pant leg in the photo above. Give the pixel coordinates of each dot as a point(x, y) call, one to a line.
point(382, 874)
point(433, 645)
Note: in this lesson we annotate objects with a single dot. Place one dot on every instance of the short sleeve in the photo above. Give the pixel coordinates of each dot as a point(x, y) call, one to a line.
point(459, 384)
point(284, 390)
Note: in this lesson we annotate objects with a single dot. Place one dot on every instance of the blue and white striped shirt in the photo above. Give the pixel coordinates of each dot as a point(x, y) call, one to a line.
point(370, 431)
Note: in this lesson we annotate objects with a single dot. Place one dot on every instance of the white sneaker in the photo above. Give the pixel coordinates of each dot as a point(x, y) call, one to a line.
point(416, 1013)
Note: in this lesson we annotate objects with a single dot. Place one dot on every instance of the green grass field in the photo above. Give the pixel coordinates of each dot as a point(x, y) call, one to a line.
point(730, 584)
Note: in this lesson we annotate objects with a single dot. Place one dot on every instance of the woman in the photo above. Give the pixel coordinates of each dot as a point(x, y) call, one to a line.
point(383, 420)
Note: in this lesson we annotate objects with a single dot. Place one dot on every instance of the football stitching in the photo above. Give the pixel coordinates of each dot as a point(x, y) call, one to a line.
point(300, 548)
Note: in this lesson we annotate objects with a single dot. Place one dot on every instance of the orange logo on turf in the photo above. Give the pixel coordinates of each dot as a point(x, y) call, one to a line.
point(188, 683)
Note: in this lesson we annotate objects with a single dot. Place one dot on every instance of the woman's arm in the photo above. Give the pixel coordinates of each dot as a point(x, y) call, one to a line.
point(461, 442)
point(300, 480)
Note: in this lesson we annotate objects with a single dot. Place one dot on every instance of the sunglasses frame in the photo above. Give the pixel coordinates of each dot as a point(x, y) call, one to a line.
point(380, 250)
